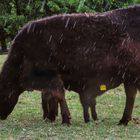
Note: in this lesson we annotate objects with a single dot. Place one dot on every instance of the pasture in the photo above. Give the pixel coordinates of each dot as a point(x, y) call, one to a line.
point(25, 122)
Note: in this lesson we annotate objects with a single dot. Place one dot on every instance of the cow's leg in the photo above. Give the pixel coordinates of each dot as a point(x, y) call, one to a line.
point(45, 105)
point(85, 105)
point(93, 110)
point(88, 99)
point(130, 99)
point(86, 113)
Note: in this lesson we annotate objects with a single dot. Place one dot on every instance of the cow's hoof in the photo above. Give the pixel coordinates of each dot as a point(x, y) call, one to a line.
point(66, 120)
point(94, 116)
point(123, 122)
point(87, 120)
point(95, 119)
point(47, 119)
point(52, 117)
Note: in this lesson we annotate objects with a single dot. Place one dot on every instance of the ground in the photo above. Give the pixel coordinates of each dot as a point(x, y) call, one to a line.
point(25, 122)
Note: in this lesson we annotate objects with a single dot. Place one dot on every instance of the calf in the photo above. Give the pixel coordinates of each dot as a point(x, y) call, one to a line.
point(49, 106)
point(49, 83)
point(80, 46)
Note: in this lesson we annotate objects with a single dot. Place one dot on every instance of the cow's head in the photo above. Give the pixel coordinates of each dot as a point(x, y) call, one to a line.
point(8, 100)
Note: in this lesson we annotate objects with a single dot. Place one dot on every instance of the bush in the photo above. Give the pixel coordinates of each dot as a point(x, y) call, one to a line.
point(15, 13)
point(69, 6)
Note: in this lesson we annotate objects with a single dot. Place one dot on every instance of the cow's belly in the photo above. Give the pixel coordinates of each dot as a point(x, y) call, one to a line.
point(102, 83)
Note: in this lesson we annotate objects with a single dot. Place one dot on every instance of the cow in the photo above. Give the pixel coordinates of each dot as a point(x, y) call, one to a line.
point(111, 79)
point(121, 74)
point(78, 45)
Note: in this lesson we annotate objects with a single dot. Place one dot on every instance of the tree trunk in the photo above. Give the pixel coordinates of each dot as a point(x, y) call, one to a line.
point(16, 3)
point(3, 40)
point(47, 10)
point(3, 44)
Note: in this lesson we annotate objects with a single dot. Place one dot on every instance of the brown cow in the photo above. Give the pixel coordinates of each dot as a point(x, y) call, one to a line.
point(78, 45)
point(110, 79)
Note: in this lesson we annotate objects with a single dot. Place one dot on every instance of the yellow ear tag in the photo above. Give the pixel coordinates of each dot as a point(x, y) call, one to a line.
point(103, 87)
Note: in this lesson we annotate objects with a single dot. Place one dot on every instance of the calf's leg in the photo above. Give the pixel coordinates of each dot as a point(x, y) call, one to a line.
point(131, 92)
point(53, 109)
point(64, 109)
point(49, 106)
point(59, 95)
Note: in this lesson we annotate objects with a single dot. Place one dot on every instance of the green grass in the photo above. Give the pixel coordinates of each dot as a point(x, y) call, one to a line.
point(25, 122)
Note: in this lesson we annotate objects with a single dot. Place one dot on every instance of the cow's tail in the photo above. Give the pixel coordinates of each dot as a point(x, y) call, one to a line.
point(10, 72)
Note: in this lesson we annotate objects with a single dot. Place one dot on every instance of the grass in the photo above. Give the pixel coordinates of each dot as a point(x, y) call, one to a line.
point(25, 122)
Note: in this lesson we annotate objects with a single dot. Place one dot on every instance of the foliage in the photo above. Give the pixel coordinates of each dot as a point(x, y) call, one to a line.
point(11, 23)
point(69, 6)
point(15, 13)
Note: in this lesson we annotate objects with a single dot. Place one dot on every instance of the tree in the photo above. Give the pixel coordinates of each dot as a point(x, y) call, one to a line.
point(15, 13)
